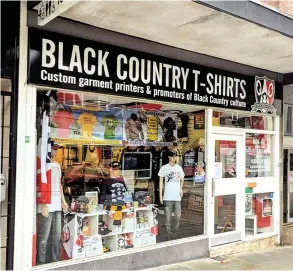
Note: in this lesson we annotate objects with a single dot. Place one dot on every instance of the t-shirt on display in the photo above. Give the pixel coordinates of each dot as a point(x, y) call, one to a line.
point(172, 176)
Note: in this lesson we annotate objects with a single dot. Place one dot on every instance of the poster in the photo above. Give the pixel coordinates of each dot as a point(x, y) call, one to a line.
point(199, 173)
point(86, 124)
point(188, 163)
point(199, 120)
point(149, 128)
point(218, 170)
point(267, 207)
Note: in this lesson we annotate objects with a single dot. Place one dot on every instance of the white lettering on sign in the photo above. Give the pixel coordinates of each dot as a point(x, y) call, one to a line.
point(76, 64)
point(226, 86)
point(137, 75)
point(50, 9)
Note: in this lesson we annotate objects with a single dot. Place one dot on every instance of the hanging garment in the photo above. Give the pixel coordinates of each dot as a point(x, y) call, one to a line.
point(44, 164)
point(183, 130)
point(92, 154)
point(169, 127)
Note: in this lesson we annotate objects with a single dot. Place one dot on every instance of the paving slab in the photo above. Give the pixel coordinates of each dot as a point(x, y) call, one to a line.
point(177, 267)
point(235, 264)
point(288, 251)
point(253, 258)
point(279, 258)
point(278, 265)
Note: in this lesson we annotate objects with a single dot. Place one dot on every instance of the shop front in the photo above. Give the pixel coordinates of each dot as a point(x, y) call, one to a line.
point(143, 160)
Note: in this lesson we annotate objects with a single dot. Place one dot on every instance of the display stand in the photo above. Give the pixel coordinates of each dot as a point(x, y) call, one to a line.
point(137, 229)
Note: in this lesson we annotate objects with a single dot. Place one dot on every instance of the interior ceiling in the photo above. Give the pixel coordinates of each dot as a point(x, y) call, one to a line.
point(106, 102)
point(191, 26)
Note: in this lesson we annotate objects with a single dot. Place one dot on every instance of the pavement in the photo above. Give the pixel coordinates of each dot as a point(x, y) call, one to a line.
point(278, 258)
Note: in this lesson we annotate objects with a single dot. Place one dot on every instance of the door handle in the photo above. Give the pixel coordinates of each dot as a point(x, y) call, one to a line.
point(213, 187)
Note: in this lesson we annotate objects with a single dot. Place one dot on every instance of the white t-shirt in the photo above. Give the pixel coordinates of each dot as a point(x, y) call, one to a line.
point(55, 187)
point(172, 176)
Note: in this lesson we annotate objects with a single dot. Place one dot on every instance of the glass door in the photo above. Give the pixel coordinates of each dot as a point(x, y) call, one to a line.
point(290, 187)
point(228, 188)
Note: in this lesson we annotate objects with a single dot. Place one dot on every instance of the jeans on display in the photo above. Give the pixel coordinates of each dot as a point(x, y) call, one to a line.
point(170, 207)
point(47, 225)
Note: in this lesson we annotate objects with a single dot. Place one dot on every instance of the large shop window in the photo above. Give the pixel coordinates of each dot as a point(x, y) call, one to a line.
point(115, 174)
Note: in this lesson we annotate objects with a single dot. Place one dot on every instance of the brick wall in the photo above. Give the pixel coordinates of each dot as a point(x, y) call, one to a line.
point(285, 6)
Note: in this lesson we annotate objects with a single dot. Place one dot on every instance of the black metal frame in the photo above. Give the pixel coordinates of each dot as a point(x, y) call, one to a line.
point(10, 15)
point(11, 173)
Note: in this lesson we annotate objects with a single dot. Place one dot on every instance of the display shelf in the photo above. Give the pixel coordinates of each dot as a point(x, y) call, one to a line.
point(137, 234)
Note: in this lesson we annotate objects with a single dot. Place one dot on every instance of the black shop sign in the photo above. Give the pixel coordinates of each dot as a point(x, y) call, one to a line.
point(66, 62)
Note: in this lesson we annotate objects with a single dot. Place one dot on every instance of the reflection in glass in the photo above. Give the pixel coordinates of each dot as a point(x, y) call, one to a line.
point(225, 159)
point(225, 213)
point(236, 120)
point(258, 155)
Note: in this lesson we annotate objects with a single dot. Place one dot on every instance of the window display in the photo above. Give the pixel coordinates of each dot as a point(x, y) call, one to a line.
point(101, 166)
point(259, 213)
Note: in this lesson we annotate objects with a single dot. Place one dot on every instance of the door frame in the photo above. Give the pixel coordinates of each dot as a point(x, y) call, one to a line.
point(238, 190)
point(289, 187)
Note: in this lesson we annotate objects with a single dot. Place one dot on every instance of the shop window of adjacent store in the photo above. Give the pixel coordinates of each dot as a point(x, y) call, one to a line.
point(288, 123)
point(98, 166)
point(258, 155)
point(259, 216)
point(238, 120)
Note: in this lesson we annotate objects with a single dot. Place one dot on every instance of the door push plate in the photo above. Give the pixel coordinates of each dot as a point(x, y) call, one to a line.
point(213, 187)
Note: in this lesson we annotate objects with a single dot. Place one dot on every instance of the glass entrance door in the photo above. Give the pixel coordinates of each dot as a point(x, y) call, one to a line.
point(290, 187)
point(228, 188)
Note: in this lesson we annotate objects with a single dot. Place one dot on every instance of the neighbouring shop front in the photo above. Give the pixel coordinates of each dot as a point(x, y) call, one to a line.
point(107, 121)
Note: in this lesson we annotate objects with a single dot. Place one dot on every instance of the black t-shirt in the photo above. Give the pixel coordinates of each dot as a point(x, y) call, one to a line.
point(114, 190)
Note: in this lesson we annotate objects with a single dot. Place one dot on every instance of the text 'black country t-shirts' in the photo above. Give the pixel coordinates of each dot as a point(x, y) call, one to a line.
point(172, 176)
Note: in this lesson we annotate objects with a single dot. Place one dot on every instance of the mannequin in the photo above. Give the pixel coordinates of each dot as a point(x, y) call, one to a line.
point(173, 192)
point(49, 217)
